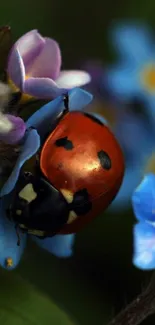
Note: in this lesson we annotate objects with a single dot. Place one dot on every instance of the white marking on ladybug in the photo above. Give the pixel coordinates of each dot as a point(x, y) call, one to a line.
point(22, 226)
point(28, 193)
point(18, 212)
point(68, 195)
point(36, 232)
point(72, 217)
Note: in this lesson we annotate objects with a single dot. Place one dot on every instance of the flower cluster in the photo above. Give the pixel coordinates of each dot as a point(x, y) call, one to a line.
point(33, 71)
point(36, 126)
point(127, 91)
point(33, 95)
point(133, 79)
point(33, 74)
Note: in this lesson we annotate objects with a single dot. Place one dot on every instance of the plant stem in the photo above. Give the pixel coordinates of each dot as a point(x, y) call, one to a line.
point(139, 309)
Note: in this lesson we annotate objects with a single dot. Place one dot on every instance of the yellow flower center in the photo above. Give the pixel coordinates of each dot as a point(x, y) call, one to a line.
point(9, 262)
point(25, 97)
point(147, 77)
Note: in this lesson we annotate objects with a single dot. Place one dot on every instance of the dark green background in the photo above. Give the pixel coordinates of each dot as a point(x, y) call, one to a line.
point(99, 280)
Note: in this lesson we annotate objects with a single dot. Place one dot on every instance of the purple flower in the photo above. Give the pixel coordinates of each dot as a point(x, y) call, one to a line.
point(12, 128)
point(34, 67)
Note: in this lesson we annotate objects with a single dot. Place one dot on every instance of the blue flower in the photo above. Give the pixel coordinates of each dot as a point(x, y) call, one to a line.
point(59, 245)
point(143, 201)
point(134, 75)
point(133, 135)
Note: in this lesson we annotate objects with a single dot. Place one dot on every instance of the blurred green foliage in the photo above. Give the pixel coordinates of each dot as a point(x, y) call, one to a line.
point(22, 303)
point(99, 280)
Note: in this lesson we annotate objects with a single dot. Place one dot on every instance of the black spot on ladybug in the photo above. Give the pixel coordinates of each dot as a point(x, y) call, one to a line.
point(94, 119)
point(81, 202)
point(65, 143)
point(105, 160)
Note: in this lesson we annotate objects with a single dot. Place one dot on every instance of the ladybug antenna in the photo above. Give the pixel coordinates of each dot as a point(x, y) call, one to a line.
point(66, 102)
point(18, 237)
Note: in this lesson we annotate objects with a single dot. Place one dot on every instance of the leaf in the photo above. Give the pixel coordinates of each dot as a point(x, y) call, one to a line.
point(5, 46)
point(21, 304)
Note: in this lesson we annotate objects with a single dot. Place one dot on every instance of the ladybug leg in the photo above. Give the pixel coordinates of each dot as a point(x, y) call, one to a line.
point(37, 160)
point(66, 102)
point(15, 98)
point(31, 128)
point(18, 237)
point(41, 237)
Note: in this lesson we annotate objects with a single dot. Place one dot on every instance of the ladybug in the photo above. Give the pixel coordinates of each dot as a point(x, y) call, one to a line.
point(79, 170)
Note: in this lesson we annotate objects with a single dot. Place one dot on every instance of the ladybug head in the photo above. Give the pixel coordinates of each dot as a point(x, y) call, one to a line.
point(37, 207)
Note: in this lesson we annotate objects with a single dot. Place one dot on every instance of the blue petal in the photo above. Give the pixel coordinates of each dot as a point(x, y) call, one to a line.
point(144, 246)
point(134, 134)
point(30, 147)
point(47, 114)
point(149, 100)
point(143, 199)
point(79, 98)
point(133, 41)
point(131, 179)
point(122, 80)
point(59, 245)
point(8, 238)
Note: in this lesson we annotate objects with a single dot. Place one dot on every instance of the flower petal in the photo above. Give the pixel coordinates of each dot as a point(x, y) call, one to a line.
point(131, 179)
point(30, 147)
point(16, 133)
point(79, 99)
point(47, 114)
point(143, 199)
point(134, 134)
point(144, 246)
point(122, 81)
point(47, 64)
point(5, 124)
point(133, 40)
point(59, 245)
point(44, 88)
point(73, 78)
point(29, 46)
point(8, 239)
point(149, 100)
point(16, 69)
point(95, 69)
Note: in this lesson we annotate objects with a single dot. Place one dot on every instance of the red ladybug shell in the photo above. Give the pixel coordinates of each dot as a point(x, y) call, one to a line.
point(82, 153)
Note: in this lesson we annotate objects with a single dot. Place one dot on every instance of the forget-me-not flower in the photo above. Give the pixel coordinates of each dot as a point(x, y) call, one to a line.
point(143, 201)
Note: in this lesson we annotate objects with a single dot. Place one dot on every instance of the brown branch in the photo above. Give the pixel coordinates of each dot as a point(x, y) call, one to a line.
point(139, 309)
